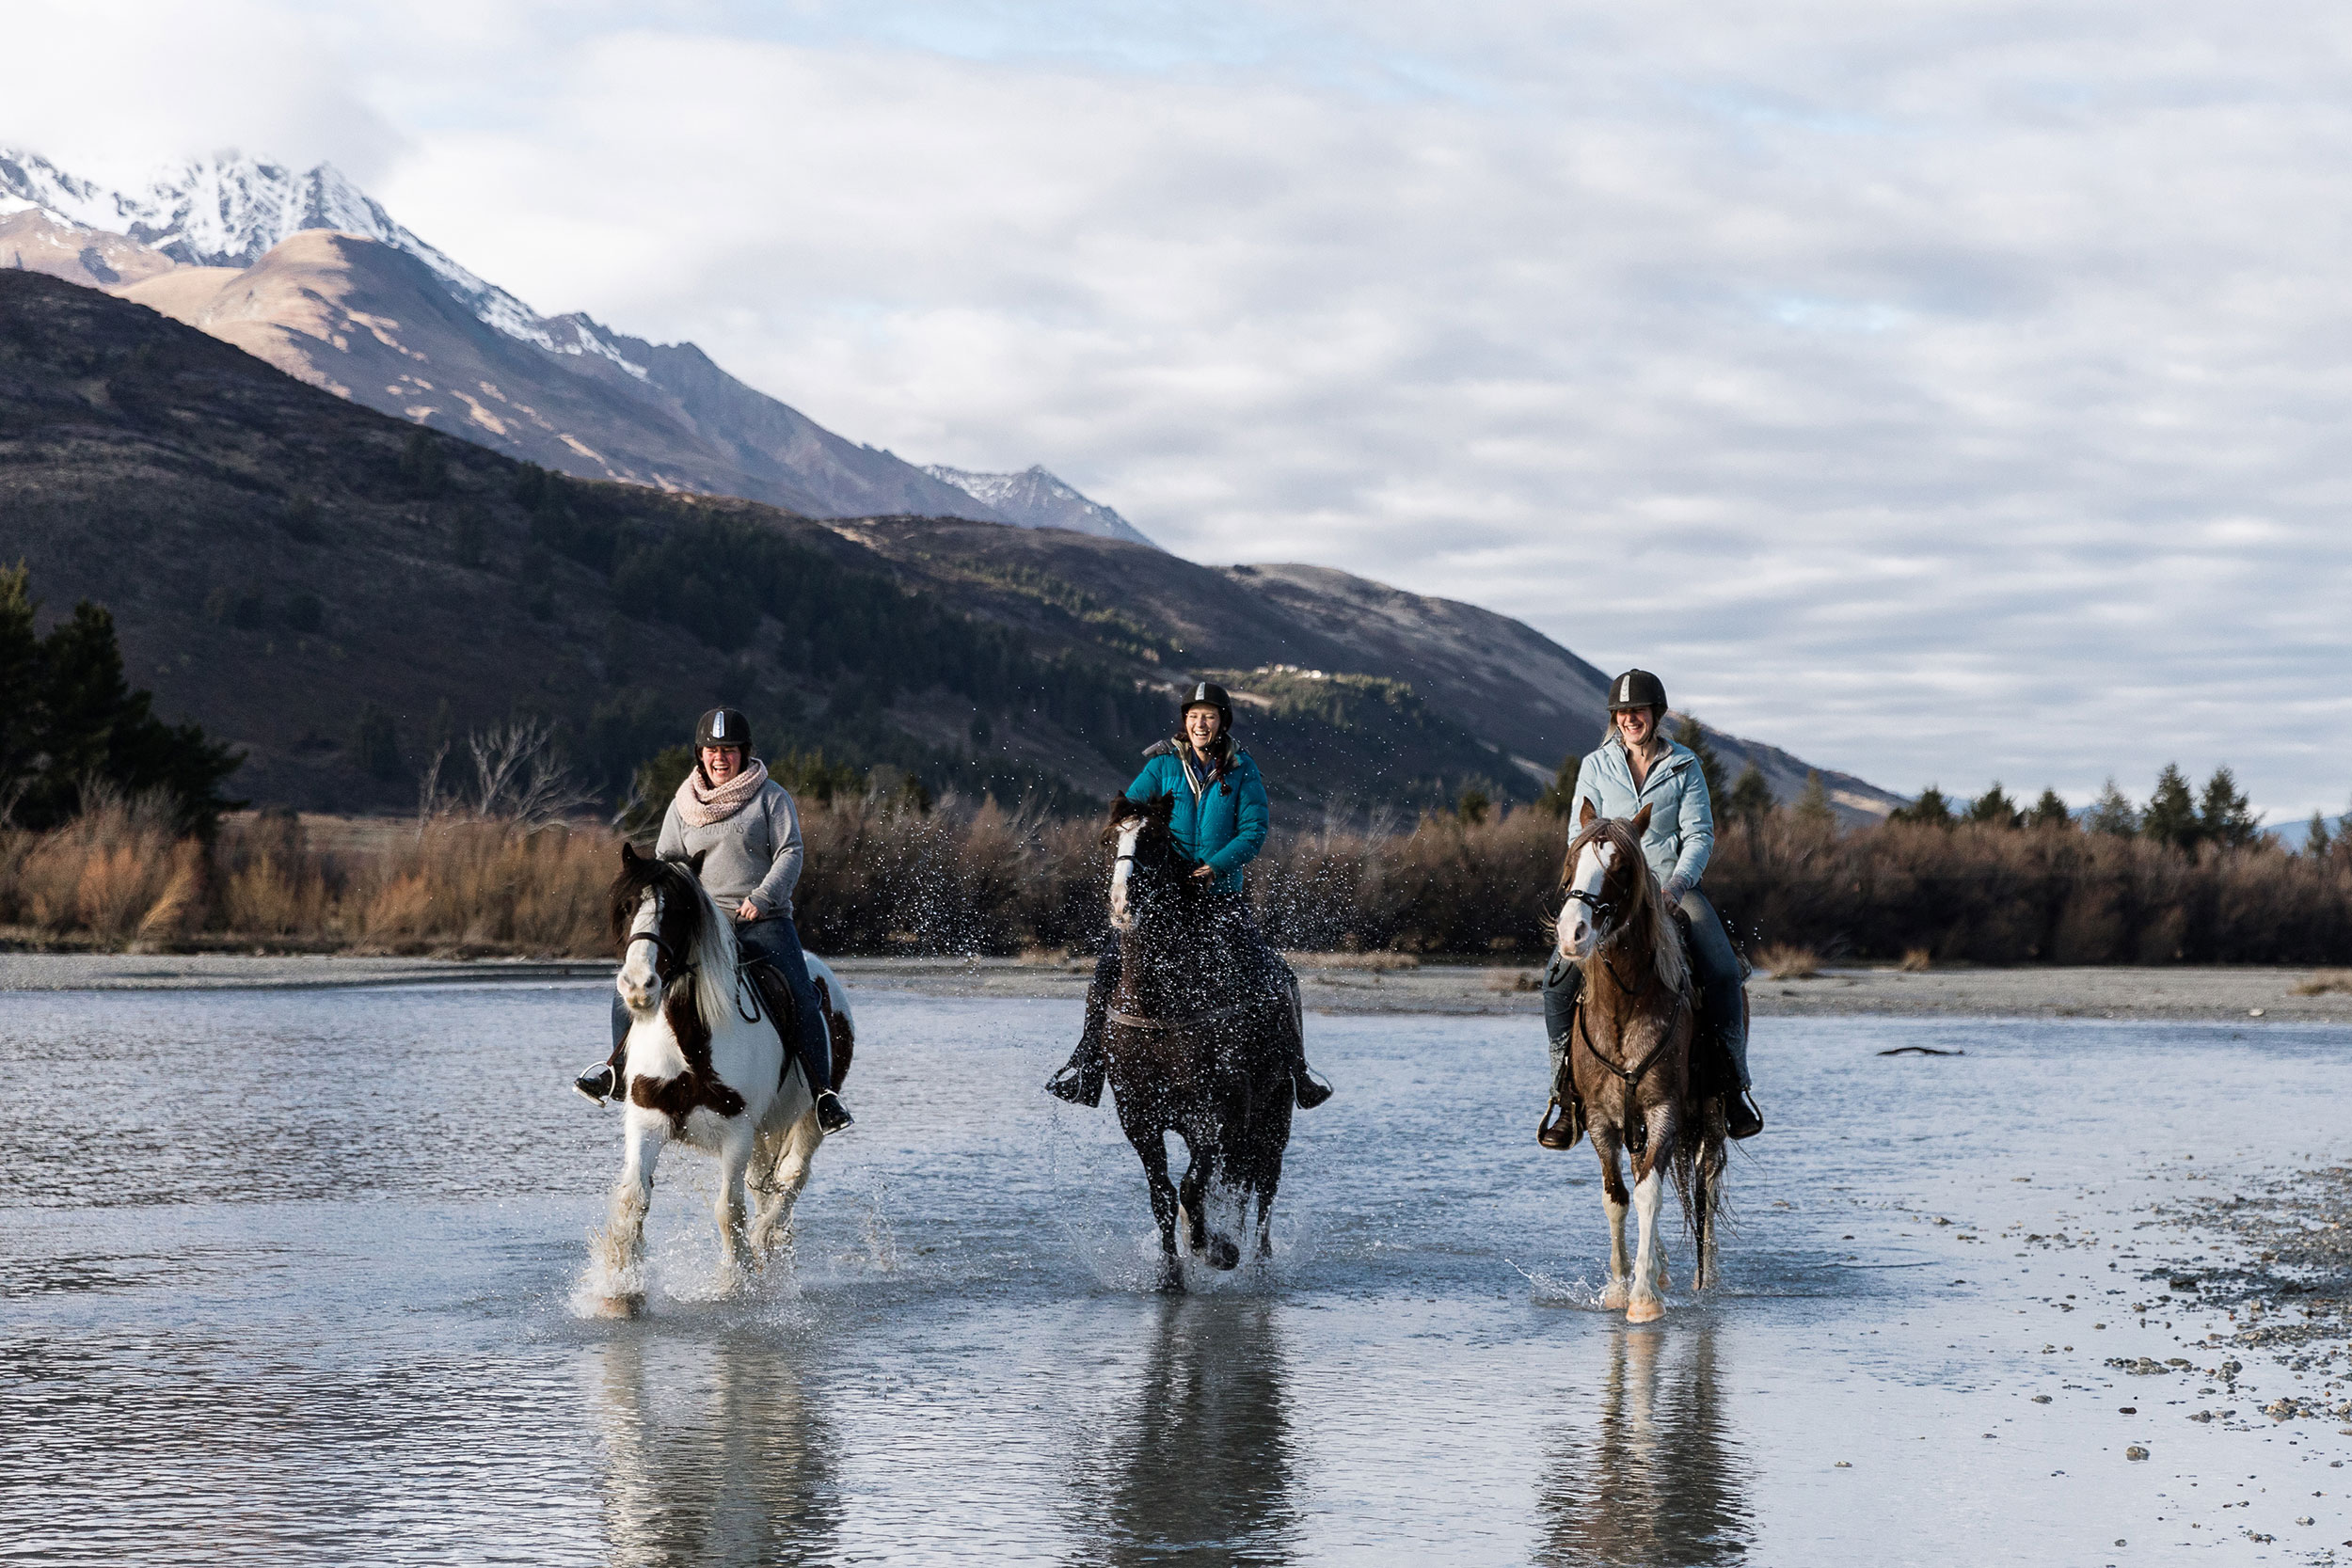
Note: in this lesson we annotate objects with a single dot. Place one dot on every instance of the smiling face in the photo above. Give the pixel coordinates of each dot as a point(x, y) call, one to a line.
point(1202, 724)
point(1636, 726)
point(721, 763)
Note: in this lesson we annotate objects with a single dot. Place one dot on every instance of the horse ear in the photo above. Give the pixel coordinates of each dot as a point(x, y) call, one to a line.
point(628, 853)
point(694, 863)
point(1641, 822)
point(1584, 817)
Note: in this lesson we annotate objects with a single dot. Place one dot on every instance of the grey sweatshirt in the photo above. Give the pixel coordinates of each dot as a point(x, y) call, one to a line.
point(754, 854)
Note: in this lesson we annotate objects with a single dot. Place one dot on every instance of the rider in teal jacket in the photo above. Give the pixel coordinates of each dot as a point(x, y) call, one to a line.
point(1221, 825)
point(1219, 816)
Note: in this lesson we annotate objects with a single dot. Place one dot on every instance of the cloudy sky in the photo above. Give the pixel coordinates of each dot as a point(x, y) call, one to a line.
point(1944, 391)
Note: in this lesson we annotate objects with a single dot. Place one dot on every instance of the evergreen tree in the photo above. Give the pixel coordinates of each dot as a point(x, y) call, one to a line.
point(1559, 796)
point(1812, 807)
point(1751, 797)
point(424, 467)
point(19, 658)
point(1691, 733)
point(1472, 806)
point(2222, 817)
point(2114, 813)
point(2315, 838)
point(2172, 814)
point(1994, 808)
point(74, 722)
point(2050, 812)
point(1930, 809)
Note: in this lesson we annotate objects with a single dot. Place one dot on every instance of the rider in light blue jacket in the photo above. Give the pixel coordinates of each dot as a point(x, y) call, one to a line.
point(1636, 767)
point(1219, 816)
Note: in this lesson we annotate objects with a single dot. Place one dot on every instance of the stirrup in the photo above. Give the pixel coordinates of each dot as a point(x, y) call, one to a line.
point(596, 1085)
point(1742, 1120)
point(1563, 1131)
point(1076, 1085)
point(1307, 1089)
point(832, 1116)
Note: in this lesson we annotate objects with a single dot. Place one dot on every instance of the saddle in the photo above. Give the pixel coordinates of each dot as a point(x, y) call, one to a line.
point(783, 1016)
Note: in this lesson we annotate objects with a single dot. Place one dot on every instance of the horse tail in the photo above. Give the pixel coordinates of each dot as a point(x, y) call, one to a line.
point(1697, 1165)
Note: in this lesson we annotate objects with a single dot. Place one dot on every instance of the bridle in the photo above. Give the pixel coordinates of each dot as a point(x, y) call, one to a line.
point(663, 953)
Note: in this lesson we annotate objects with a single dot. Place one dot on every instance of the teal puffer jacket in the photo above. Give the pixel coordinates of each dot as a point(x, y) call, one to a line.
point(1224, 831)
point(1681, 832)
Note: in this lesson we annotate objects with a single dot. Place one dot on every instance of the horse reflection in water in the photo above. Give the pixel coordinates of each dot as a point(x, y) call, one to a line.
point(1654, 1480)
point(1195, 1458)
point(712, 1455)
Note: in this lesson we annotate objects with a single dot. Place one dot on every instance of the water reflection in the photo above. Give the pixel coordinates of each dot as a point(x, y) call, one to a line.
point(1196, 1459)
point(713, 1453)
point(1655, 1479)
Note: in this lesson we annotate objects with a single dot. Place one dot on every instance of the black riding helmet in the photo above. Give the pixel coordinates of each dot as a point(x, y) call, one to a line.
point(723, 726)
point(1208, 694)
point(1636, 688)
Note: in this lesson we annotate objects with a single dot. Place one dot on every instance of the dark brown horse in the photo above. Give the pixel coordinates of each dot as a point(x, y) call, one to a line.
point(1628, 1055)
point(1197, 1042)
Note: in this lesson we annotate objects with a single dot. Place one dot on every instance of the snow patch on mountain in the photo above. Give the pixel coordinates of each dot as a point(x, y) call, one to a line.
point(1036, 498)
point(228, 210)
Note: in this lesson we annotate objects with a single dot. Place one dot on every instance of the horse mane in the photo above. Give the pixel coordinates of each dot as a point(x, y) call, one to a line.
point(710, 946)
point(1643, 924)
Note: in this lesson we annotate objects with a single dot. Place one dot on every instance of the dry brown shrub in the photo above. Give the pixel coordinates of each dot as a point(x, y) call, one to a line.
point(1781, 962)
point(2325, 981)
point(1916, 961)
point(180, 907)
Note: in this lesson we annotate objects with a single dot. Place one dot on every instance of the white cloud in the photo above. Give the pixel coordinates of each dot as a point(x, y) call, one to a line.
point(1944, 391)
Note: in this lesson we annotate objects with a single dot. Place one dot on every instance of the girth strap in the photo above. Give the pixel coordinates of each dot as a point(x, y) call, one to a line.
point(1132, 1022)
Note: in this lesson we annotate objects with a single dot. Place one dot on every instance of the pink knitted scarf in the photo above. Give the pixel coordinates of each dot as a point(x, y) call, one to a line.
point(699, 804)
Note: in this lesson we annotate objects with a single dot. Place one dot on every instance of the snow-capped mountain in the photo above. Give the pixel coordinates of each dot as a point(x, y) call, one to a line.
point(1036, 498)
point(229, 210)
point(670, 416)
point(261, 262)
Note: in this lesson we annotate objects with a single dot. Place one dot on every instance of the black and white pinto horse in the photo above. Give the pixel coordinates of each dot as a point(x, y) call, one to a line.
point(707, 1068)
point(1195, 1042)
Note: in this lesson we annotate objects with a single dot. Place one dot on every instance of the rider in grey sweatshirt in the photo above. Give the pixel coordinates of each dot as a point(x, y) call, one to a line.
point(754, 854)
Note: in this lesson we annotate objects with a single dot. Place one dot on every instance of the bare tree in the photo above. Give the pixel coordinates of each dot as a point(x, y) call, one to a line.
point(518, 778)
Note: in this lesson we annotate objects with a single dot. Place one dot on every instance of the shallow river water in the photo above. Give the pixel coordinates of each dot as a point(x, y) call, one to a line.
point(289, 1278)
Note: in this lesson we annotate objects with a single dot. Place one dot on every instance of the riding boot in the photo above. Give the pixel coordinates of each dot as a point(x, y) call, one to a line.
point(1080, 1080)
point(775, 996)
point(1307, 1085)
point(603, 1082)
point(1742, 1120)
point(1563, 983)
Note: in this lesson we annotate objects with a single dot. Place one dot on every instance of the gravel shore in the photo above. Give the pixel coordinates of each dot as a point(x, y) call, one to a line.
point(1344, 983)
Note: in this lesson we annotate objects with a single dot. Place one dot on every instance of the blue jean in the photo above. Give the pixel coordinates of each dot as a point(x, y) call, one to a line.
point(1713, 965)
point(774, 939)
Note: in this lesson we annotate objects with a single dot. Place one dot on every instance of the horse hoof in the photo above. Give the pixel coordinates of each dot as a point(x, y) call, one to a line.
point(623, 1308)
point(1223, 1254)
point(1614, 1298)
point(1172, 1278)
point(1645, 1312)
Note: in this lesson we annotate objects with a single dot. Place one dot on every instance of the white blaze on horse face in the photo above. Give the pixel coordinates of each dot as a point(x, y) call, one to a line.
point(639, 982)
point(1129, 831)
point(1577, 934)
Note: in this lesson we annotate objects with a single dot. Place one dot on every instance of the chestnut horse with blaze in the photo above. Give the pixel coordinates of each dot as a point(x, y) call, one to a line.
point(1628, 1057)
